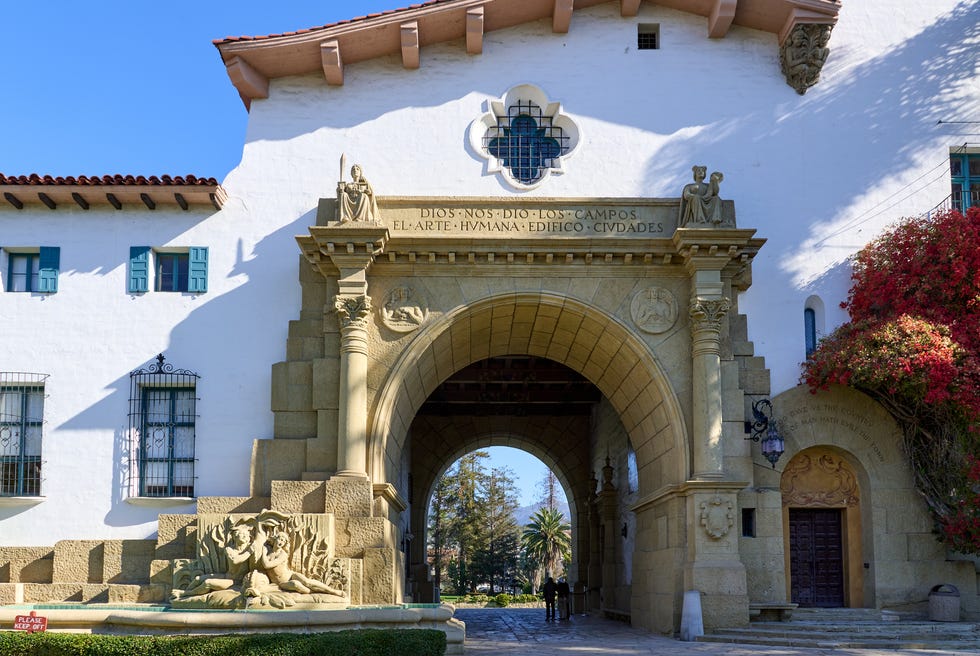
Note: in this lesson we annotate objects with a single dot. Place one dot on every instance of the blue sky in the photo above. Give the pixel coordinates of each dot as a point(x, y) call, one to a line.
point(131, 87)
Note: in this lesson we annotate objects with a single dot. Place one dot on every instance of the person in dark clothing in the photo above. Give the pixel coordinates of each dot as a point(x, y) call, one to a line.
point(563, 591)
point(550, 590)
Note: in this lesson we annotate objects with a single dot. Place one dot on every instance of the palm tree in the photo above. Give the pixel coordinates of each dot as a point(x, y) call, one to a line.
point(547, 539)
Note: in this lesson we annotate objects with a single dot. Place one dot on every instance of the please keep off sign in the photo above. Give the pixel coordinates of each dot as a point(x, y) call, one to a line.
point(30, 623)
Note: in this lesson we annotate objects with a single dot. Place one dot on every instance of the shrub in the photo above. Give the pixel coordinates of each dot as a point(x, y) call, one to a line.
point(503, 599)
point(367, 642)
point(912, 344)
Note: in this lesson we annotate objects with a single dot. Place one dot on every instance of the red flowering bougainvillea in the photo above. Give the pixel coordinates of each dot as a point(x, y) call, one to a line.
point(913, 343)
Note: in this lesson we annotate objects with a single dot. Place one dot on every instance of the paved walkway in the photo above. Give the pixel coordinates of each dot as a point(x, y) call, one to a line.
point(524, 631)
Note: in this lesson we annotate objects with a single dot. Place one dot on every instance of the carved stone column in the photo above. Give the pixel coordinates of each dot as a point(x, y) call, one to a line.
point(595, 547)
point(353, 313)
point(345, 253)
point(608, 513)
point(706, 319)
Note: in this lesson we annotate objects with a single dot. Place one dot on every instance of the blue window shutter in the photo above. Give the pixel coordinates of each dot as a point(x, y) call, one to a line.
point(197, 269)
point(810, 331)
point(49, 261)
point(139, 269)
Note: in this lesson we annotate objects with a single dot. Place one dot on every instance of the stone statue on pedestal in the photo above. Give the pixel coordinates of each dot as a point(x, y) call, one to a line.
point(355, 199)
point(700, 203)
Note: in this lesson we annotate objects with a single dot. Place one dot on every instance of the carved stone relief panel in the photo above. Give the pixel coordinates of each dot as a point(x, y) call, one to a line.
point(717, 517)
point(654, 310)
point(803, 55)
point(404, 309)
point(819, 480)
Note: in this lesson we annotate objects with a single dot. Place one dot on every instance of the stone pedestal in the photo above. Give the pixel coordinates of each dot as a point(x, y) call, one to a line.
point(713, 567)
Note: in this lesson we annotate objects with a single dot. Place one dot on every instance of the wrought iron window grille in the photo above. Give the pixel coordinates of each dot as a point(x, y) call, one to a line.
point(526, 141)
point(162, 430)
point(648, 36)
point(21, 433)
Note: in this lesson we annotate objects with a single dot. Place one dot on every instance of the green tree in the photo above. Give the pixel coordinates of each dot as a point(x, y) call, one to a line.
point(495, 560)
point(438, 528)
point(547, 539)
point(466, 527)
point(550, 491)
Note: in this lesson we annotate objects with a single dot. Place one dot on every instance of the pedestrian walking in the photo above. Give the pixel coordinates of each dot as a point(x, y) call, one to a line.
point(550, 590)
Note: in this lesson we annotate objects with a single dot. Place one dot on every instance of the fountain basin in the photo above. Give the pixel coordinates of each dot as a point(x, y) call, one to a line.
point(156, 619)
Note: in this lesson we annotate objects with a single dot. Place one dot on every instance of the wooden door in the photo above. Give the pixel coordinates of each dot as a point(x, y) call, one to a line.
point(816, 557)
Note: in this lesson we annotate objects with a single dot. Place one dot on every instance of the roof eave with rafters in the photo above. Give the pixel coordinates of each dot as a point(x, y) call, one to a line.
point(117, 191)
point(253, 61)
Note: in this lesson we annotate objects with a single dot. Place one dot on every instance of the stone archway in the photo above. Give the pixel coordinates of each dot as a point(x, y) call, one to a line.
point(893, 557)
point(418, 300)
point(562, 329)
point(424, 482)
point(581, 337)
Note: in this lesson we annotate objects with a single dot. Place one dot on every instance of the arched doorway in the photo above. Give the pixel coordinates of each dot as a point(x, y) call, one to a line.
point(529, 403)
point(822, 529)
point(602, 364)
point(484, 552)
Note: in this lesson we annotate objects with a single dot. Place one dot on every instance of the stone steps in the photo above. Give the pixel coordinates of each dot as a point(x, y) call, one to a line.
point(854, 629)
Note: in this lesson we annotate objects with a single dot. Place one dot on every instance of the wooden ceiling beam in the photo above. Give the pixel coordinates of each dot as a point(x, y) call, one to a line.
point(720, 20)
point(561, 19)
point(474, 31)
point(410, 44)
point(333, 64)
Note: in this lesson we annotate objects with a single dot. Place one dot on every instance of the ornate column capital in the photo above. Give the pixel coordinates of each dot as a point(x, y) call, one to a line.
point(707, 314)
point(353, 311)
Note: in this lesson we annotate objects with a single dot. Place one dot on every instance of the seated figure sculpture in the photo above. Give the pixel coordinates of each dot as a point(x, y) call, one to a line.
point(700, 203)
point(355, 199)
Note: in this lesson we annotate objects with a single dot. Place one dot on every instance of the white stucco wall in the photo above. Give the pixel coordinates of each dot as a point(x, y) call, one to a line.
point(817, 175)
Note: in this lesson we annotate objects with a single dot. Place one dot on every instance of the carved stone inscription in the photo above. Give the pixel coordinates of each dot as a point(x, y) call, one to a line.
point(827, 419)
point(531, 217)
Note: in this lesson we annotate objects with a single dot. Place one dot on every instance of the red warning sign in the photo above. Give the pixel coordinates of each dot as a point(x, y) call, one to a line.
point(30, 623)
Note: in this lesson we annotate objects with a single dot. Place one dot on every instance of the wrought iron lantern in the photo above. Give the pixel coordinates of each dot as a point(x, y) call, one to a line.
point(763, 429)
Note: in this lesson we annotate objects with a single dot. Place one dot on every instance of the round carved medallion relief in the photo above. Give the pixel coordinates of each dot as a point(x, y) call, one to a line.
point(654, 310)
point(404, 309)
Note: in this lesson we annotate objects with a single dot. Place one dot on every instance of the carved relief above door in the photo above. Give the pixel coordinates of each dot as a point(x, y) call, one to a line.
point(822, 529)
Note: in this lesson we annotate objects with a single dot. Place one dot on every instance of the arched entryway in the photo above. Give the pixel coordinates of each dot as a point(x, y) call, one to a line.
point(595, 348)
point(822, 529)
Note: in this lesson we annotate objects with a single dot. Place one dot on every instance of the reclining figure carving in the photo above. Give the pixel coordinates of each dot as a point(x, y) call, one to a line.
point(270, 560)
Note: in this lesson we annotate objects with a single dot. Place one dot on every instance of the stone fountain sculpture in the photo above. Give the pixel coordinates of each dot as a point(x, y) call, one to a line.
point(265, 560)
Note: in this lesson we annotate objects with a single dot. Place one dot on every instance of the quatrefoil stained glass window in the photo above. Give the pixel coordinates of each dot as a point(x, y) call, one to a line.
point(526, 141)
point(524, 137)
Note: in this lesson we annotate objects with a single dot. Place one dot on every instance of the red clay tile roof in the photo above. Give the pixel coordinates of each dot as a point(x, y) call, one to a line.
point(232, 39)
point(118, 191)
point(84, 180)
